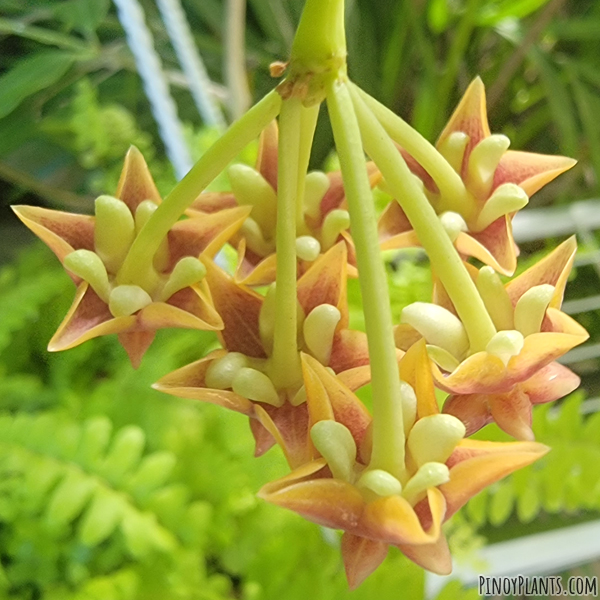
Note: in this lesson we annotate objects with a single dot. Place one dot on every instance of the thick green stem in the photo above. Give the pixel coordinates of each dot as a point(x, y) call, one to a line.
point(321, 36)
point(444, 258)
point(388, 431)
point(449, 182)
point(212, 162)
point(285, 367)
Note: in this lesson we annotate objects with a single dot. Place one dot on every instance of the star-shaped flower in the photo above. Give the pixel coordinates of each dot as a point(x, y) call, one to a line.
point(374, 508)
point(517, 368)
point(323, 222)
point(238, 376)
point(93, 248)
point(498, 182)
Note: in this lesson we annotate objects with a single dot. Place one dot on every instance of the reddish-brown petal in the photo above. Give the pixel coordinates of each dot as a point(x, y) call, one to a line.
point(474, 465)
point(289, 425)
point(87, 318)
point(355, 378)
point(470, 117)
point(361, 557)
point(529, 170)
point(494, 246)
point(239, 307)
point(62, 232)
point(347, 408)
point(325, 283)
point(349, 350)
point(259, 274)
point(405, 336)
point(316, 469)
point(553, 269)
point(472, 409)
point(204, 233)
point(190, 382)
point(210, 202)
point(393, 520)
point(550, 383)
point(136, 343)
point(136, 183)
point(392, 222)
point(187, 309)
point(512, 413)
point(263, 440)
point(433, 557)
point(266, 162)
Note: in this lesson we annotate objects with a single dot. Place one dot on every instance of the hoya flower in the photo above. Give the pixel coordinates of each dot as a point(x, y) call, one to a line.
point(517, 368)
point(497, 183)
point(241, 378)
point(374, 508)
point(323, 220)
point(169, 291)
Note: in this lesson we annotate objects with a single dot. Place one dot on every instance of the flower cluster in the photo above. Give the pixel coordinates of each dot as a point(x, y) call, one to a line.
point(392, 475)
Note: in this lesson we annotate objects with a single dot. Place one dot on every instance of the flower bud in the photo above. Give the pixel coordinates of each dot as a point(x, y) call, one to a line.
point(381, 483)
point(88, 265)
point(336, 445)
point(187, 271)
point(251, 188)
point(335, 222)
point(438, 326)
point(126, 300)
point(315, 187)
point(319, 329)
point(453, 149)
point(453, 223)
point(484, 161)
point(429, 475)
point(308, 248)
point(495, 297)
point(507, 198)
point(114, 231)
point(433, 438)
point(505, 345)
point(254, 385)
point(531, 308)
point(221, 372)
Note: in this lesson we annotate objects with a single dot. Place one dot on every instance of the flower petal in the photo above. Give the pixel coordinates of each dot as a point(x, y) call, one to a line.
point(475, 464)
point(553, 269)
point(361, 557)
point(204, 233)
point(480, 373)
point(415, 369)
point(472, 409)
point(262, 273)
point(136, 343)
point(529, 170)
point(393, 520)
point(239, 307)
point(87, 318)
point(550, 383)
point(263, 440)
point(512, 413)
point(494, 246)
point(325, 283)
point(328, 502)
point(289, 426)
point(210, 202)
point(190, 382)
point(266, 162)
point(349, 350)
point(62, 232)
point(136, 183)
point(433, 557)
point(470, 117)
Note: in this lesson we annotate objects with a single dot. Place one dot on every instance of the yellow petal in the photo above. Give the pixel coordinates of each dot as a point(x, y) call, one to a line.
point(475, 465)
point(434, 557)
point(480, 373)
point(393, 520)
point(415, 369)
